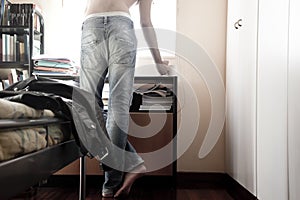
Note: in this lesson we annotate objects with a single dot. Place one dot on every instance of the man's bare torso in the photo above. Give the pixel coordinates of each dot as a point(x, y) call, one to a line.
point(100, 6)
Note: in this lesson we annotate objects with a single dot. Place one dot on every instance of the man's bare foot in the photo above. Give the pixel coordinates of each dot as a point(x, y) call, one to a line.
point(129, 179)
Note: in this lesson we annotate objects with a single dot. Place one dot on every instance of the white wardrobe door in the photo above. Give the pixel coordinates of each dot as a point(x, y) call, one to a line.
point(272, 178)
point(241, 92)
point(294, 101)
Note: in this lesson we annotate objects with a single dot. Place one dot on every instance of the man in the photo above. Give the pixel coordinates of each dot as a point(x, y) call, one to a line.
point(108, 46)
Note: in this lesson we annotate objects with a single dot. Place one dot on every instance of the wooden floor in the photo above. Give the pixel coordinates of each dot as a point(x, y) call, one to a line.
point(46, 193)
point(141, 190)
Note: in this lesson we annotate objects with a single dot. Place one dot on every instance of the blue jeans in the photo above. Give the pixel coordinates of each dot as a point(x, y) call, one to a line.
point(108, 46)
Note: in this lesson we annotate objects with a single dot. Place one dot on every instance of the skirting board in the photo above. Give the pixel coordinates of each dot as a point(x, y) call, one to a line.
point(221, 180)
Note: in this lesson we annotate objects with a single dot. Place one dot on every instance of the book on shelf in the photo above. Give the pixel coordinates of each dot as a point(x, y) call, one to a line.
point(1, 51)
point(16, 14)
point(10, 79)
point(25, 74)
point(1, 9)
point(4, 12)
point(155, 107)
point(1, 85)
point(14, 75)
point(5, 83)
point(14, 48)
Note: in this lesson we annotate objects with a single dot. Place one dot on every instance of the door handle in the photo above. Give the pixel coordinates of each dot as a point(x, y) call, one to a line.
point(238, 24)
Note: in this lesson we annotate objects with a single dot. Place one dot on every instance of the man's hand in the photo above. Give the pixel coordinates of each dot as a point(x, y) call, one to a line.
point(163, 68)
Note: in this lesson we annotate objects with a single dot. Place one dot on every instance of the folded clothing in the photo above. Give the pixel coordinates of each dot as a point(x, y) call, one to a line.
point(14, 110)
point(22, 141)
point(18, 142)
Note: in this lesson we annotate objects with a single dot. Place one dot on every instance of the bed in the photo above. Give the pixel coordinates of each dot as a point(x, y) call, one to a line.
point(34, 144)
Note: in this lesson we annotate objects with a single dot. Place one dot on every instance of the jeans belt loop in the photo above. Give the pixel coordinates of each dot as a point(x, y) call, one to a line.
point(105, 20)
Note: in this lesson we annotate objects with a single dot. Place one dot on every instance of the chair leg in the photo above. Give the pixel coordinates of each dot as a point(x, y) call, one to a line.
point(82, 186)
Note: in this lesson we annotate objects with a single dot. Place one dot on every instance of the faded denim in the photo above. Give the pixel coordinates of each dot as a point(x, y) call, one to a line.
point(108, 46)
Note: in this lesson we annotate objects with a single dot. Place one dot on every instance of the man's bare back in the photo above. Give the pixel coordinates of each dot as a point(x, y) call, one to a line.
point(100, 6)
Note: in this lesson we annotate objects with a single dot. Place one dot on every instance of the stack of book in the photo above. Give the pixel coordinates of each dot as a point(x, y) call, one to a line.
point(155, 97)
point(54, 66)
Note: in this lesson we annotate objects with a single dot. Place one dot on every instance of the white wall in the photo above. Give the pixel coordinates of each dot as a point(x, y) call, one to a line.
point(293, 102)
point(204, 23)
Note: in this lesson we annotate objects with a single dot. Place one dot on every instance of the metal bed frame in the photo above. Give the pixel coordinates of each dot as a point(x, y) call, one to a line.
point(19, 174)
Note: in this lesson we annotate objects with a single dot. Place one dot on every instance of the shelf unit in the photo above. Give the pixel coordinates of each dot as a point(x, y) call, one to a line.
point(167, 132)
point(20, 37)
